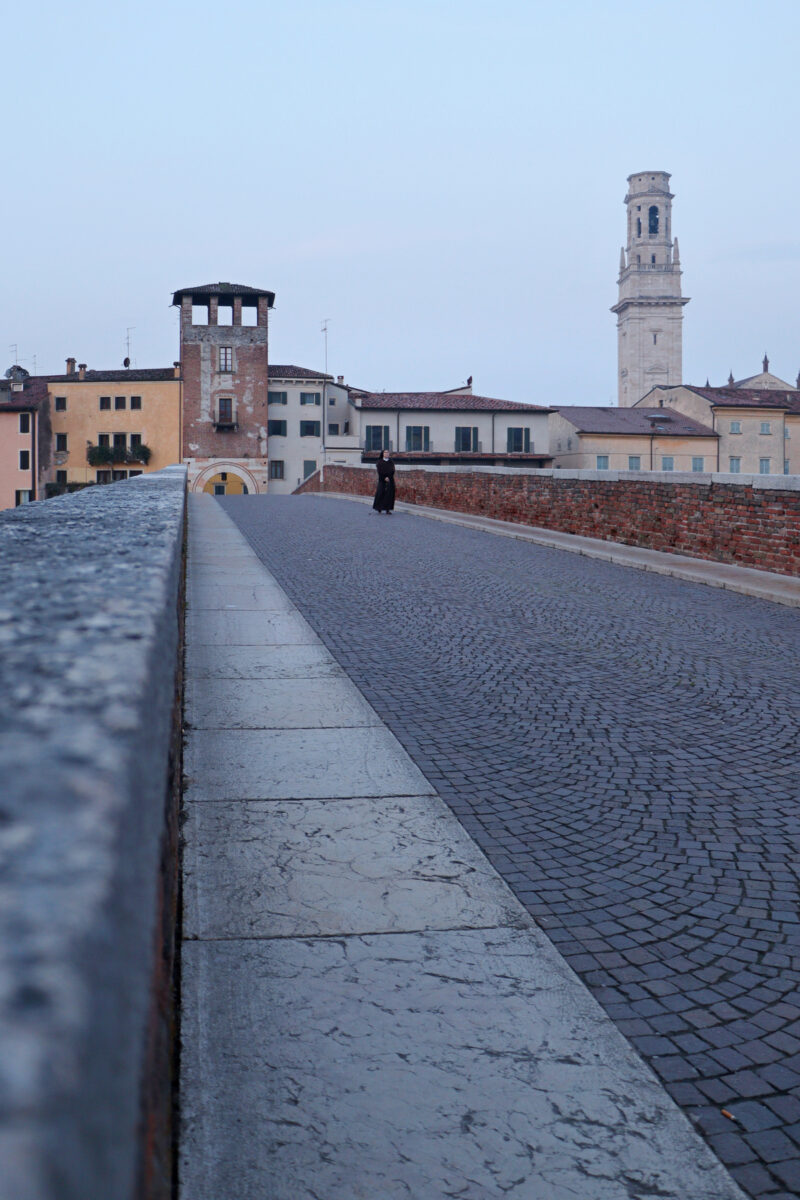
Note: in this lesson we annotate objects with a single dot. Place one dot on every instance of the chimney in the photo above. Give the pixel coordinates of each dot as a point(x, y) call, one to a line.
point(70, 366)
point(340, 379)
point(177, 369)
point(81, 370)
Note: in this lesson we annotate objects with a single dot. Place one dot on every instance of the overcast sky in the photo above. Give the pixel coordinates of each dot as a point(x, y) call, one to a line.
point(441, 179)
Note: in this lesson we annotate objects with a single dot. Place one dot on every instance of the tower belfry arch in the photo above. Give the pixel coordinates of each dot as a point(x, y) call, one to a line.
point(650, 305)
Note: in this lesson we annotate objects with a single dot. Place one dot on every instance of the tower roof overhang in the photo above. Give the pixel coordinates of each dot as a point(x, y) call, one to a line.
point(225, 293)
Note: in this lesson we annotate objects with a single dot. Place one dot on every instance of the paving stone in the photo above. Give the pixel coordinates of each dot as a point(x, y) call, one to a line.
point(570, 712)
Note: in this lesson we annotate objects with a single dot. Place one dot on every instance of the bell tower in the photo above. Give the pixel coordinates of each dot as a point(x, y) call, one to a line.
point(650, 305)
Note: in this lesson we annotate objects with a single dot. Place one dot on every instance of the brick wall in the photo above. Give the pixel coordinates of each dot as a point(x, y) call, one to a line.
point(749, 523)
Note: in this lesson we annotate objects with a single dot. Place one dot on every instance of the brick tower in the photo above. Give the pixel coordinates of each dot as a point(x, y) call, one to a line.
point(224, 364)
point(650, 306)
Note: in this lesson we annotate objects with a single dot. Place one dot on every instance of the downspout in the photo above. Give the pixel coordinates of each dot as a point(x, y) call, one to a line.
point(651, 450)
point(493, 432)
point(34, 447)
point(324, 430)
point(397, 451)
point(714, 427)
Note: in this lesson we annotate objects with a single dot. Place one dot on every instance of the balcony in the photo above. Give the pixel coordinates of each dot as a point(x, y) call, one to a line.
point(226, 426)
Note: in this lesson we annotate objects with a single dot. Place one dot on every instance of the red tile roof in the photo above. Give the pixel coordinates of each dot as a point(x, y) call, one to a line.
point(736, 397)
point(633, 421)
point(224, 290)
point(444, 402)
point(290, 372)
point(128, 375)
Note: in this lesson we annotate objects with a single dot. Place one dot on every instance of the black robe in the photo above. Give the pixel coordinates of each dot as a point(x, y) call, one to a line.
point(384, 493)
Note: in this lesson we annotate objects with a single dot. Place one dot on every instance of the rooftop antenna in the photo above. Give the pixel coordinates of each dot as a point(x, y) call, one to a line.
point(128, 332)
point(14, 348)
point(324, 328)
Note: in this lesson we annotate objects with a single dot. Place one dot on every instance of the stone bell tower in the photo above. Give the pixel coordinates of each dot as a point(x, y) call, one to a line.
point(650, 306)
point(225, 372)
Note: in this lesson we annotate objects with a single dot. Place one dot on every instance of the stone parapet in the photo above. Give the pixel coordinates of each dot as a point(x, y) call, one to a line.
point(89, 638)
point(748, 520)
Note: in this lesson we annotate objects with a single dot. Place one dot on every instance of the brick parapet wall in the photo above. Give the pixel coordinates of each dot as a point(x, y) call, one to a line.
point(746, 520)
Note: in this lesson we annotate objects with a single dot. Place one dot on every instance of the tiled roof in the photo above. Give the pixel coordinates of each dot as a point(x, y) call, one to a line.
point(736, 397)
point(633, 421)
point(130, 375)
point(223, 289)
point(290, 372)
point(32, 394)
point(445, 402)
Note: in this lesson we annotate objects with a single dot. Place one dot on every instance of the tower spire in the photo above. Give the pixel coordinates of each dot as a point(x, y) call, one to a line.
point(765, 363)
point(731, 380)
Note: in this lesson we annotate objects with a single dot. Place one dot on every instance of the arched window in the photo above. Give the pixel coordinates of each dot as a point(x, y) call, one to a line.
point(653, 219)
point(638, 226)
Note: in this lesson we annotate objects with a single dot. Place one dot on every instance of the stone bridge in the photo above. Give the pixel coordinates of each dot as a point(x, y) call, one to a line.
point(489, 859)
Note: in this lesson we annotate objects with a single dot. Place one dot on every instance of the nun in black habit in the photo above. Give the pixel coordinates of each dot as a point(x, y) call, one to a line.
point(384, 493)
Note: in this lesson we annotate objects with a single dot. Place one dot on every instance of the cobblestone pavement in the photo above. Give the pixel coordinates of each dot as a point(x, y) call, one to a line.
point(622, 746)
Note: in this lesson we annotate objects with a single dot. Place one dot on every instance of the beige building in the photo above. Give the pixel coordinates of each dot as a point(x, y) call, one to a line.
point(104, 423)
point(624, 439)
point(452, 426)
point(650, 305)
point(758, 427)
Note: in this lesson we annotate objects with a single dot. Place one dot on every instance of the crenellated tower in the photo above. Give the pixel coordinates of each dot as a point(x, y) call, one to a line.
point(650, 306)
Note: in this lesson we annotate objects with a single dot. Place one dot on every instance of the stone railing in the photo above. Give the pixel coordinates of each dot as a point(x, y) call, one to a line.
point(750, 520)
point(89, 772)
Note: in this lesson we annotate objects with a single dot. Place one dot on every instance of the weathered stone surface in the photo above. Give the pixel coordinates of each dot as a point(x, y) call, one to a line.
point(89, 589)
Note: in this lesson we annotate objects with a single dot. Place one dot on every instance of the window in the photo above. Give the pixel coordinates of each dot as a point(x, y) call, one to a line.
point(24, 422)
point(652, 220)
point(104, 477)
point(226, 358)
point(332, 401)
point(61, 443)
point(136, 402)
point(104, 439)
point(119, 402)
point(219, 489)
point(786, 466)
point(655, 338)
point(61, 403)
point(333, 428)
point(634, 462)
point(118, 476)
point(786, 431)
point(652, 260)
point(518, 441)
point(466, 438)
point(276, 428)
point(309, 429)
point(309, 467)
point(698, 464)
point(638, 226)
point(763, 466)
point(277, 397)
point(24, 460)
point(22, 497)
point(132, 474)
point(225, 410)
point(418, 437)
point(105, 403)
point(136, 440)
point(734, 465)
point(376, 437)
point(120, 441)
point(310, 398)
point(276, 469)
point(346, 427)
point(61, 477)
point(667, 463)
point(736, 426)
point(765, 427)
point(602, 462)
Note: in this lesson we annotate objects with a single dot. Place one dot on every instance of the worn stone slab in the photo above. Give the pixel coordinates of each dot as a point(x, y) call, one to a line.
point(260, 662)
point(294, 704)
point(267, 869)
point(237, 597)
point(465, 1064)
point(247, 764)
point(238, 628)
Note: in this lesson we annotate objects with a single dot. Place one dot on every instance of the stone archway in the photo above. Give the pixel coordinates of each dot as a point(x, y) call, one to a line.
point(225, 478)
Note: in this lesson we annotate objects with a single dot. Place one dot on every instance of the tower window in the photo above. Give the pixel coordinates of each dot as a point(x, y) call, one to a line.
point(226, 358)
point(655, 339)
point(652, 258)
point(652, 223)
point(638, 226)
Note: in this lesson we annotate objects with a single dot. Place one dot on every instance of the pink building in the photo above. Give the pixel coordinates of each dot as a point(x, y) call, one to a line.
point(24, 438)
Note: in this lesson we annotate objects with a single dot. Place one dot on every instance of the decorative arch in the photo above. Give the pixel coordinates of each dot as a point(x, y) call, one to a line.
point(230, 468)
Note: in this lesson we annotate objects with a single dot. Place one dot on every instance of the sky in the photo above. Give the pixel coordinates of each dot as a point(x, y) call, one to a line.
point(441, 180)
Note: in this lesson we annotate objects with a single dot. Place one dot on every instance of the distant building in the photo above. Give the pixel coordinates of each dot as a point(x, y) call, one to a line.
point(624, 439)
point(25, 441)
point(310, 418)
point(758, 427)
point(225, 363)
point(452, 427)
point(650, 305)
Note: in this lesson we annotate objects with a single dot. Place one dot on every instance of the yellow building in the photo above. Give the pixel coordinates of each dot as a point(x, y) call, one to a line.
point(630, 439)
point(105, 422)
